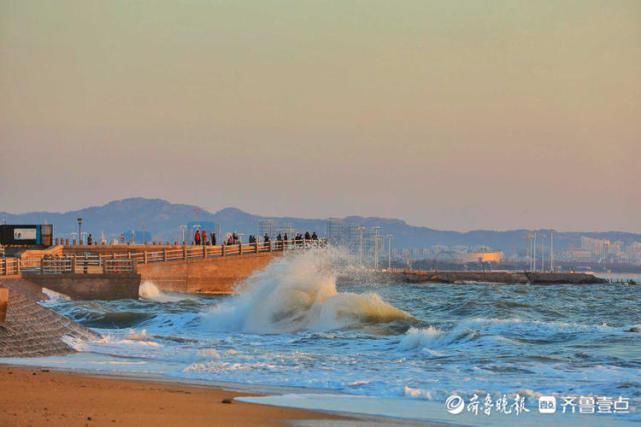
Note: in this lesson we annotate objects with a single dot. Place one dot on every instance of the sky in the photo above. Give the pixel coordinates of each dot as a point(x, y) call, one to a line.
point(449, 114)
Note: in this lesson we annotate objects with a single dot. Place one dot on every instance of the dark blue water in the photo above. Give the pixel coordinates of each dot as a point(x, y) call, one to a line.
point(294, 327)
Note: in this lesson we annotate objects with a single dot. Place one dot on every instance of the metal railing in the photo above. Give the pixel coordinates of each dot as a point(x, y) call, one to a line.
point(9, 266)
point(126, 262)
point(87, 264)
point(190, 252)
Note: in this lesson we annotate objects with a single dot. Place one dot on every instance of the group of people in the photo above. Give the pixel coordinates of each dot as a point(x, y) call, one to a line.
point(201, 238)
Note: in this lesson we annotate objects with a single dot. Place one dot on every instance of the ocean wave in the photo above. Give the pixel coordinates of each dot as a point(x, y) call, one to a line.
point(299, 293)
point(419, 338)
point(149, 290)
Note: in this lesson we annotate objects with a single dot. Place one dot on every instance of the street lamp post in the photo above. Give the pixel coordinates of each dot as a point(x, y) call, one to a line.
point(183, 227)
point(79, 231)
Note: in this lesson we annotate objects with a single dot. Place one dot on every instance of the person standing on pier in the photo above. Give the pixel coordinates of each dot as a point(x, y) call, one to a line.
point(213, 239)
point(197, 237)
point(203, 234)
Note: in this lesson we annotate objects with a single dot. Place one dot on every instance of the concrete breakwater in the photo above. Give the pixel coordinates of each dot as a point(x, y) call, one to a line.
point(80, 286)
point(487, 277)
point(30, 330)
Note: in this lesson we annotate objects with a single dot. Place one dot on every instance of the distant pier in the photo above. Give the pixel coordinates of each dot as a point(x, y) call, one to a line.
point(515, 277)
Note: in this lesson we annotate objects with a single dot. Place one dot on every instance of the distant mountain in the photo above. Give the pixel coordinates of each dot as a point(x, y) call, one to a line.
point(163, 220)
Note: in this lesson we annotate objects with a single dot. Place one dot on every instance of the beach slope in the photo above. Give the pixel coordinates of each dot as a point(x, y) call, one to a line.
point(38, 397)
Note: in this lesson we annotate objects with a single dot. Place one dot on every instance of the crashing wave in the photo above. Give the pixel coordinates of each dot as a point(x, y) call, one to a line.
point(299, 293)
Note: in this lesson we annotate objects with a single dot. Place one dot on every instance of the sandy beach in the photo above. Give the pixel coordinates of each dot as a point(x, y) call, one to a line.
point(38, 397)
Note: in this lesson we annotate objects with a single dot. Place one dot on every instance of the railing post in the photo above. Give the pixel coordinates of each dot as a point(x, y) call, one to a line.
point(204, 251)
point(43, 260)
point(240, 249)
point(85, 266)
point(164, 255)
point(185, 252)
point(4, 265)
point(222, 250)
point(18, 265)
point(144, 257)
point(73, 264)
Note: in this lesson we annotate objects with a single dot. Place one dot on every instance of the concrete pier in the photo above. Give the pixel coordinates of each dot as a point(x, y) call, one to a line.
point(488, 277)
point(80, 286)
point(209, 276)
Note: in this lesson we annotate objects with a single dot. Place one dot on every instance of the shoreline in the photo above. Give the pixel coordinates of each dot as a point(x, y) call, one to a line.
point(241, 393)
point(44, 396)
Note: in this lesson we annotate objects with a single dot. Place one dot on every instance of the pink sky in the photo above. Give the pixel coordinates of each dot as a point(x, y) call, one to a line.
point(450, 115)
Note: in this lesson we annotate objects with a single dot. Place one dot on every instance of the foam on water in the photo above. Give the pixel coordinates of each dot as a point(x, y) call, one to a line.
point(149, 290)
point(419, 338)
point(404, 346)
point(53, 295)
point(299, 293)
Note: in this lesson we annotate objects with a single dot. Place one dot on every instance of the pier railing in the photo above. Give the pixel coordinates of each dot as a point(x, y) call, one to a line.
point(9, 266)
point(83, 260)
point(87, 264)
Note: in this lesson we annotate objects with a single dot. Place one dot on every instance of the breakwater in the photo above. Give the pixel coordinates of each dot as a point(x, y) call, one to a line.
point(487, 277)
point(191, 268)
point(29, 329)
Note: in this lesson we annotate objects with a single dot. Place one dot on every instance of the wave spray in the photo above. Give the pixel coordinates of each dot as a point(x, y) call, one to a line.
point(298, 292)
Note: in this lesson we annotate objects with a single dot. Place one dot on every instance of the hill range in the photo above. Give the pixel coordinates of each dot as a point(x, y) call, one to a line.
point(162, 220)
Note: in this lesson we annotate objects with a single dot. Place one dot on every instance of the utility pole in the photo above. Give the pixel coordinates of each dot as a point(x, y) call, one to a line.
point(389, 251)
point(534, 253)
point(183, 228)
point(360, 249)
point(79, 231)
point(552, 250)
point(542, 253)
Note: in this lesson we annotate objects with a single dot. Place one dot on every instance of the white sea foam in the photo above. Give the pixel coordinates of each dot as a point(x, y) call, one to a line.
point(54, 296)
point(417, 393)
point(134, 335)
point(299, 293)
point(75, 343)
point(149, 290)
point(132, 339)
point(419, 338)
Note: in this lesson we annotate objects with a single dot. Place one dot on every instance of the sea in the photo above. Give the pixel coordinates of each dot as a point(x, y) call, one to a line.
point(459, 354)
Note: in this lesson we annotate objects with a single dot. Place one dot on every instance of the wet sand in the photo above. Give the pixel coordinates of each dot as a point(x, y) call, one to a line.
point(38, 397)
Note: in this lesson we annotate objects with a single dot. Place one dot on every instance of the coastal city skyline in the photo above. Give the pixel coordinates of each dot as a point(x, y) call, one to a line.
point(372, 239)
point(517, 116)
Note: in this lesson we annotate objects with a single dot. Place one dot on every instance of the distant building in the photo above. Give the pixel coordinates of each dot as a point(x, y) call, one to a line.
point(492, 257)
